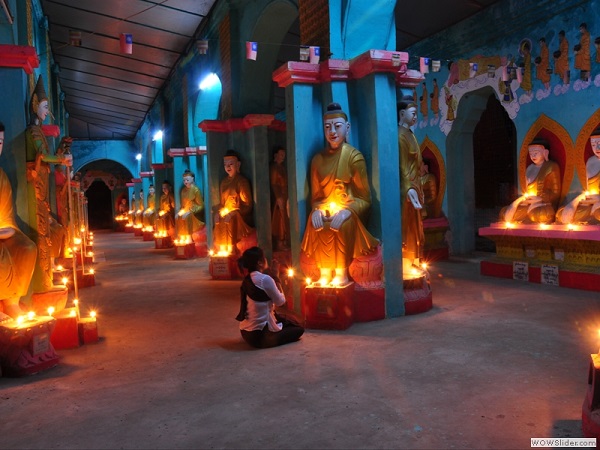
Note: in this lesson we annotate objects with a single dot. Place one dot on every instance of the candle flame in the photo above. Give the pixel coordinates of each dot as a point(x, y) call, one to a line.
point(51, 310)
point(30, 315)
point(290, 272)
point(92, 314)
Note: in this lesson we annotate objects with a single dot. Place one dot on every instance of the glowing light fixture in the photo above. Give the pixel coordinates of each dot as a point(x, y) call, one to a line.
point(209, 81)
point(158, 135)
point(138, 156)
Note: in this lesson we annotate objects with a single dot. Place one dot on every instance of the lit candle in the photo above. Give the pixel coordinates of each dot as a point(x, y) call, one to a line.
point(30, 315)
point(93, 314)
point(51, 310)
point(290, 272)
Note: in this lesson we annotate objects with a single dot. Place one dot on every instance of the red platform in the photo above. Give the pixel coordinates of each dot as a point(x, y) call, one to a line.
point(369, 304)
point(187, 251)
point(66, 331)
point(590, 411)
point(138, 231)
point(224, 267)
point(163, 242)
point(88, 330)
point(25, 348)
point(84, 280)
point(329, 308)
point(148, 235)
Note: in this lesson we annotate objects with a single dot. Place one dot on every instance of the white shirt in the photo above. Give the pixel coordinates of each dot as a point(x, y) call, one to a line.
point(261, 313)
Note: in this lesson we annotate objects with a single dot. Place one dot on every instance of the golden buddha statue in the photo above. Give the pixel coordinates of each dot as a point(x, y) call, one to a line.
point(430, 191)
point(340, 201)
point(280, 223)
point(190, 217)
point(38, 172)
point(539, 202)
point(411, 190)
point(139, 212)
point(17, 252)
point(585, 208)
point(150, 211)
point(233, 216)
point(165, 221)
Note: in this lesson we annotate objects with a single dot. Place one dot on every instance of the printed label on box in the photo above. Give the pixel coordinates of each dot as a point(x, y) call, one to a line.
point(40, 344)
point(550, 274)
point(220, 267)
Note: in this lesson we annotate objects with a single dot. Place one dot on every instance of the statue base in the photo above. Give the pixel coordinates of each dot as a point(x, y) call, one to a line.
point(560, 255)
point(329, 308)
point(163, 242)
point(436, 246)
point(590, 411)
point(187, 251)
point(120, 226)
point(224, 268)
point(85, 279)
point(138, 231)
point(56, 298)
point(128, 228)
point(66, 331)
point(88, 330)
point(148, 235)
point(25, 348)
point(418, 297)
point(369, 304)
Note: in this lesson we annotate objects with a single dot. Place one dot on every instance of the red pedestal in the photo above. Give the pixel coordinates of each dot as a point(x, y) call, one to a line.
point(26, 349)
point(418, 297)
point(138, 231)
point(148, 235)
point(590, 411)
point(187, 251)
point(163, 242)
point(84, 280)
point(66, 331)
point(369, 304)
point(224, 268)
point(128, 228)
point(88, 330)
point(329, 308)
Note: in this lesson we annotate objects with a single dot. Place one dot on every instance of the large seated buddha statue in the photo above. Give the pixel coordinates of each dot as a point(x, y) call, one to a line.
point(190, 218)
point(139, 212)
point(340, 202)
point(165, 222)
point(17, 252)
point(539, 202)
point(233, 216)
point(150, 211)
point(585, 208)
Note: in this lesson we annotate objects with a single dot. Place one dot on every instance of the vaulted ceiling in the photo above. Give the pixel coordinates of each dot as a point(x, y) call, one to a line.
point(108, 93)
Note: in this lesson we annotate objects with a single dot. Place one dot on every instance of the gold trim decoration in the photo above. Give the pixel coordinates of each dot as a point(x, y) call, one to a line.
point(545, 123)
point(430, 145)
point(582, 139)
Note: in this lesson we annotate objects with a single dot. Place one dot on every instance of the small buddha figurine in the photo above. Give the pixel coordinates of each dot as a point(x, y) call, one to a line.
point(585, 208)
point(429, 184)
point(149, 212)
point(340, 199)
point(539, 202)
point(18, 253)
point(131, 212)
point(139, 212)
point(190, 217)
point(233, 216)
point(411, 189)
point(280, 224)
point(165, 222)
point(123, 206)
point(39, 159)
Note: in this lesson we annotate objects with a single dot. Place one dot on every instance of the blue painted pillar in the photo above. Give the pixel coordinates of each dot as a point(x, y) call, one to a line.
point(304, 117)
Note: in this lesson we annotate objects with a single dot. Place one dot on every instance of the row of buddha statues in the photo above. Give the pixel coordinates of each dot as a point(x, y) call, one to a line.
point(27, 260)
point(539, 203)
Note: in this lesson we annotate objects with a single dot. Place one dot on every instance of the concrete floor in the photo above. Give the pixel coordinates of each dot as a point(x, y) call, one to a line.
point(494, 363)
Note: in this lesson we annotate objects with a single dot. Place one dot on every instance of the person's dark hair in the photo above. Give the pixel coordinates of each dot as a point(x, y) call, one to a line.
point(251, 258)
point(276, 148)
point(1, 126)
point(167, 182)
point(583, 25)
point(561, 33)
point(405, 103)
point(232, 152)
point(542, 39)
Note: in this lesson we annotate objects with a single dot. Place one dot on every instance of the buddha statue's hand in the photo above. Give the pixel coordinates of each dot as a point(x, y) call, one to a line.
point(67, 160)
point(414, 198)
point(7, 232)
point(317, 219)
point(339, 218)
point(568, 213)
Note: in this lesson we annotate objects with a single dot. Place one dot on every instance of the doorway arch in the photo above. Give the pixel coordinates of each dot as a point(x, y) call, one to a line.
point(460, 161)
point(99, 206)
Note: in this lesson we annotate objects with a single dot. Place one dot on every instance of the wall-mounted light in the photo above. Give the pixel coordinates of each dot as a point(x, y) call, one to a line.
point(158, 135)
point(138, 156)
point(209, 81)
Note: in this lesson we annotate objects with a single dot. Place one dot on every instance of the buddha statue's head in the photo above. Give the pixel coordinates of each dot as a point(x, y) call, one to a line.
point(279, 155)
point(151, 189)
point(407, 112)
point(141, 194)
point(39, 102)
point(188, 179)
point(232, 163)
point(595, 142)
point(538, 153)
point(166, 187)
point(335, 125)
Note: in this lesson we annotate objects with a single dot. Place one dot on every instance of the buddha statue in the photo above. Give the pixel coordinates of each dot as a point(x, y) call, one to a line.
point(132, 211)
point(165, 222)
point(411, 190)
point(585, 208)
point(539, 202)
point(340, 202)
point(280, 223)
point(139, 212)
point(17, 252)
point(430, 191)
point(233, 215)
point(150, 211)
point(190, 217)
point(39, 160)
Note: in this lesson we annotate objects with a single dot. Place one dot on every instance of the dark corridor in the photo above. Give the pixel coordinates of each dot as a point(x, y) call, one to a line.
point(99, 206)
